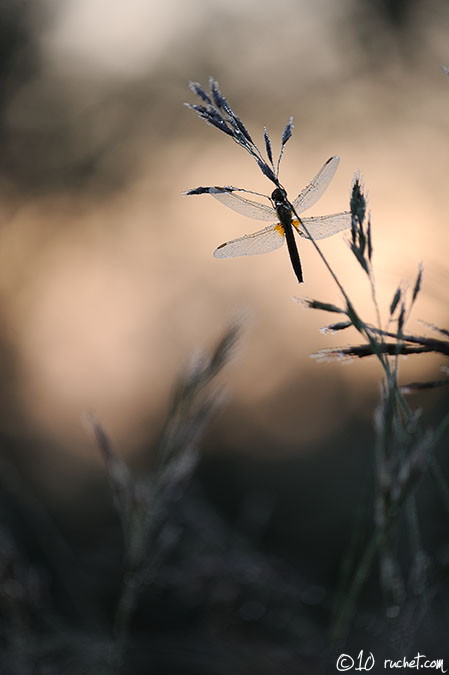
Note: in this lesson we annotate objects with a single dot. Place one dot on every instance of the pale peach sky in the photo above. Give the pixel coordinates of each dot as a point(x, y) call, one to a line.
point(107, 295)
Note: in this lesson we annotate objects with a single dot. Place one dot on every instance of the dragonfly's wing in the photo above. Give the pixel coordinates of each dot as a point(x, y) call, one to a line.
point(324, 226)
point(264, 241)
point(315, 189)
point(244, 206)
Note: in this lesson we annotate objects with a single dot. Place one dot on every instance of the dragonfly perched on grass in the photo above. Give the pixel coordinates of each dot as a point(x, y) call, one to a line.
point(218, 113)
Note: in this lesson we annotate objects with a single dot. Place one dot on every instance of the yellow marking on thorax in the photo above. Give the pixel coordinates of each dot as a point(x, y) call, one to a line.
point(280, 229)
point(296, 225)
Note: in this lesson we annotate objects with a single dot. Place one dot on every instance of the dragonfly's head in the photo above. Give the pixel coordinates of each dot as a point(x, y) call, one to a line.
point(279, 196)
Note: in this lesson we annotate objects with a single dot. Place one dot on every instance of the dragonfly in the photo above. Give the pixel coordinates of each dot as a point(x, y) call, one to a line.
point(285, 214)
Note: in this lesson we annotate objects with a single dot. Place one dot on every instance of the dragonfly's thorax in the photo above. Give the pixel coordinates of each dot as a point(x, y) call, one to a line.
point(282, 205)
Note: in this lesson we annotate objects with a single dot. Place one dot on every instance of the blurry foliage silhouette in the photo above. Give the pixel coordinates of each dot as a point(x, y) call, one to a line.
point(404, 451)
point(186, 589)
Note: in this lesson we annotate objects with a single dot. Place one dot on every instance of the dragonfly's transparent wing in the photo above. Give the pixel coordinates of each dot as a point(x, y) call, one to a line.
point(324, 226)
point(315, 189)
point(244, 206)
point(228, 197)
point(264, 241)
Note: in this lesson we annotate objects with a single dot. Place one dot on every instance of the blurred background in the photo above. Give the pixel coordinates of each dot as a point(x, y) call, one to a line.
point(107, 280)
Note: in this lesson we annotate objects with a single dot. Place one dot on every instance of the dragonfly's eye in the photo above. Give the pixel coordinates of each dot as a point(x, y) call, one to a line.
point(278, 195)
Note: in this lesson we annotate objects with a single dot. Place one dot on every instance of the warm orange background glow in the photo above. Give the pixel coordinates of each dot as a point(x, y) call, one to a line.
point(107, 278)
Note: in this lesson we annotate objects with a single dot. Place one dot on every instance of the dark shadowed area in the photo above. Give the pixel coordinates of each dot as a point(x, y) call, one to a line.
point(182, 488)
